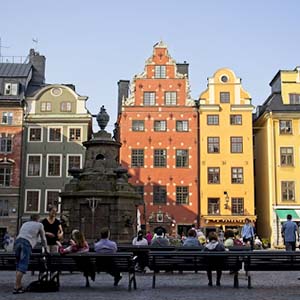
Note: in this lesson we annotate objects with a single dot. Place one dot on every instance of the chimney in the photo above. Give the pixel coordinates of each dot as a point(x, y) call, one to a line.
point(38, 62)
point(123, 90)
point(183, 68)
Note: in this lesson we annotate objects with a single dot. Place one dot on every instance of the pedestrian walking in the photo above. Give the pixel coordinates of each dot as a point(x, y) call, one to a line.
point(289, 232)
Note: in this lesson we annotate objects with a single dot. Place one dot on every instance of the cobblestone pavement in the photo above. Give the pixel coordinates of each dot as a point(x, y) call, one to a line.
point(187, 286)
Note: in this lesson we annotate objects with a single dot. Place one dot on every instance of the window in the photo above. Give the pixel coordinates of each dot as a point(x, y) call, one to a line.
point(74, 162)
point(182, 194)
point(137, 158)
point(182, 158)
point(46, 106)
point(149, 98)
point(138, 125)
point(11, 89)
point(140, 190)
point(213, 120)
point(236, 144)
point(160, 72)
point(213, 144)
point(288, 191)
point(294, 98)
point(159, 194)
point(170, 98)
point(74, 134)
point(32, 200)
point(213, 175)
point(7, 118)
point(213, 206)
point(35, 134)
point(182, 126)
point(224, 97)
point(66, 106)
point(54, 165)
point(287, 156)
point(5, 143)
point(237, 175)
point(235, 119)
point(5, 176)
point(3, 208)
point(55, 135)
point(160, 157)
point(285, 127)
point(34, 165)
point(160, 125)
point(52, 199)
point(237, 206)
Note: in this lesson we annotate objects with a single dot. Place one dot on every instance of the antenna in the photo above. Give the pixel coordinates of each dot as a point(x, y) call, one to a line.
point(35, 41)
point(1, 46)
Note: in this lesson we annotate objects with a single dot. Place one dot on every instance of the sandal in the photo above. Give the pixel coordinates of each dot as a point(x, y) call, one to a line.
point(19, 291)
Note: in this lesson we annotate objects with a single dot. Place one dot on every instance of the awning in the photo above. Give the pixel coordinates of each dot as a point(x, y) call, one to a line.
point(282, 213)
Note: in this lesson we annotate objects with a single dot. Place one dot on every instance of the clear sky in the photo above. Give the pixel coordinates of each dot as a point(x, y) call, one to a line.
point(93, 44)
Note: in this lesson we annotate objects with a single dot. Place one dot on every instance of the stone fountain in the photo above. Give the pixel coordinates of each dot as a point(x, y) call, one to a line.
point(99, 195)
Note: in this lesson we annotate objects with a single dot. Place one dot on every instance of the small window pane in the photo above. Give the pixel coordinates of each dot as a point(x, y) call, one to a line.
point(3, 208)
point(182, 158)
point(213, 120)
point(32, 203)
point(159, 194)
point(235, 119)
point(138, 125)
point(170, 98)
point(160, 157)
point(236, 144)
point(213, 175)
point(160, 125)
point(213, 145)
point(224, 97)
point(34, 165)
point(54, 162)
point(237, 206)
point(288, 191)
point(149, 98)
point(160, 72)
point(285, 127)
point(5, 176)
point(35, 134)
point(52, 199)
point(74, 134)
point(213, 206)
point(137, 157)
point(182, 126)
point(182, 195)
point(54, 134)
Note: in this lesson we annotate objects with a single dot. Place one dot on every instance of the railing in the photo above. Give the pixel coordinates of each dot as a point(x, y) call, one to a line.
point(14, 59)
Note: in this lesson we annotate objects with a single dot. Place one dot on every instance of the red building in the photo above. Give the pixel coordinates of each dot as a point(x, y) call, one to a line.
point(158, 124)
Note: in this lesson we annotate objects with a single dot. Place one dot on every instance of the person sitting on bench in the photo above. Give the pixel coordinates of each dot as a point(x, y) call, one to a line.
point(105, 245)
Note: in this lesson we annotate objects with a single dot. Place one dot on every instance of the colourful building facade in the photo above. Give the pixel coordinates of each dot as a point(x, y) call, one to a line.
point(226, 153)
point(277, 156)
point(158, 124)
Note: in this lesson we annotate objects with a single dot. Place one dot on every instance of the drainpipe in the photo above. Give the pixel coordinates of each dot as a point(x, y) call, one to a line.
point(198, 165)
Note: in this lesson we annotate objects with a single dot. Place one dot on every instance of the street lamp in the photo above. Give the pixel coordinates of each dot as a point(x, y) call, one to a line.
point(226, 204)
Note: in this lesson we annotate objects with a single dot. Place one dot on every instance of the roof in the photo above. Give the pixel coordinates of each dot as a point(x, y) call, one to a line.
point(14, 70)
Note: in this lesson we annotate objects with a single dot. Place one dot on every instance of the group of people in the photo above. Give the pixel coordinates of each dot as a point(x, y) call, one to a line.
point(50, 233)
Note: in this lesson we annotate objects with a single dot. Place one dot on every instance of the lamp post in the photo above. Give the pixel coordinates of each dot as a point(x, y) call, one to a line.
point(93, 204)
point(226, 205)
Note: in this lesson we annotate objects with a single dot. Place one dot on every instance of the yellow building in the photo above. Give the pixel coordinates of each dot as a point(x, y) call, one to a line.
point(226, 153)
point(277, 155)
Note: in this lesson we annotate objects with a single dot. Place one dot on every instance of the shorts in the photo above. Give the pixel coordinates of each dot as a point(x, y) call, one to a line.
point(22, 251)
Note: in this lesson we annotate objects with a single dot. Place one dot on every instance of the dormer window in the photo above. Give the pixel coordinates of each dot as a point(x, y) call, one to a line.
point(294, 98)
point(11, 89)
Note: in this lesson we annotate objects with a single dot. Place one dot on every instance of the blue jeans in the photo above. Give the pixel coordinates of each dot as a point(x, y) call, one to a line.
point(22, 251)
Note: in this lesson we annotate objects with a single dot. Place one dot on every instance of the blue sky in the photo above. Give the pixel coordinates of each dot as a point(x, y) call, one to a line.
point(93, 44)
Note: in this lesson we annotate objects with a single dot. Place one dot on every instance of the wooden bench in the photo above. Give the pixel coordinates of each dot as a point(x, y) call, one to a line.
point(88, 263)
point(266, 260)
point(194, 261)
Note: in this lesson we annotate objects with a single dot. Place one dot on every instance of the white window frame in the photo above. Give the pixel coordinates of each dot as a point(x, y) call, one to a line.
point(46, 199)
point(81, 133)
point(39, 204)
point(68, 106)
point(27, 164)
point(47, 104)
point(55, 127)
point(35, 127)
point(11, 89)
point(7, 117)
point(60, 163)
point(67, 164)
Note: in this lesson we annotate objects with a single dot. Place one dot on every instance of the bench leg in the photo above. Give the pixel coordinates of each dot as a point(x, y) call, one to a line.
point(236, 280)
point(249, 280)
point(153, 280)
point(87, 282)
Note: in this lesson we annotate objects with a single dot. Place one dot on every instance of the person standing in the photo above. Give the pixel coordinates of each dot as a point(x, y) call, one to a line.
point(25, 242)
point(248, 233)
point(53, 229)
point(289, 232)
point(105, 245)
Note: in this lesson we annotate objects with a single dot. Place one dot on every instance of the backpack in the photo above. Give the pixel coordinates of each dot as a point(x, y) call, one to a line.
point(45, 284)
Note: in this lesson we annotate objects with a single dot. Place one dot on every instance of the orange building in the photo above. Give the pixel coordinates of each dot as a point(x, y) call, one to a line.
point(158, 123)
